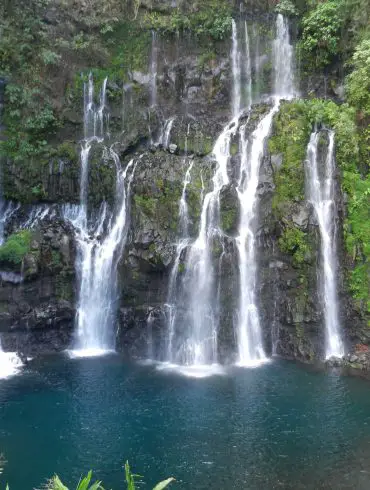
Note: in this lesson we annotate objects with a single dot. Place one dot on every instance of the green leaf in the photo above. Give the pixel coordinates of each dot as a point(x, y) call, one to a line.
point(56, 484)
point(163, 484)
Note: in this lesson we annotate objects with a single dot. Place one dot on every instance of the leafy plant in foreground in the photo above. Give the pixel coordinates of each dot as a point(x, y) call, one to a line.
point(85, 483)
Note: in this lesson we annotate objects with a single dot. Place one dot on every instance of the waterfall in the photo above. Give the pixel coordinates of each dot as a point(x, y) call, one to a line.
point(36, 214)
point(181, 246)
point(236, 70)
point(283, 60)
point(183, 207)
point(256, 63)
point(241, 71)
point(97, 267)
point(242, 75)
point(100, 239)
point(153, 70)
point(193, 298)
point(320, 193)
point(164, 138)
point(95, 123)
point(7, 209)
point(249, 336)
point(250, 346)
point(248, 68)
point(193, 326)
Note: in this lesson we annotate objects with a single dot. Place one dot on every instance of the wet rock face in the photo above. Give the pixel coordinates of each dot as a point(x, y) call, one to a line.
point(37, 312)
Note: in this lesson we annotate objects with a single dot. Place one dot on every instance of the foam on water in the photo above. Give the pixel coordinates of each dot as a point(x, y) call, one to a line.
point(10, 364)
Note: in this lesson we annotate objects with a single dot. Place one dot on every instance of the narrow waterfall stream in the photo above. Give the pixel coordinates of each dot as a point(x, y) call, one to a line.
point(250, 346)
point(100, 240)
point(320, 190)
point(247, 68)
point(236, 68)
point(283, 52)
point(172, 299)
point(153, 70)
point(241, 65)
point(249, 337)
point(256, 64)
point(193, 324)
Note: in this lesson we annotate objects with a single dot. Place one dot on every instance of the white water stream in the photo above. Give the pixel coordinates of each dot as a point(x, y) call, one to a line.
point(249, 336)
point(320, 193)
point(153, 70)
point(100, 240)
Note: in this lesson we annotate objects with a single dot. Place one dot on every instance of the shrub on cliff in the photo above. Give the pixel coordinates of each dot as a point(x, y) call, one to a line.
point(321, 33)
point(358, 82)
point(16, 247)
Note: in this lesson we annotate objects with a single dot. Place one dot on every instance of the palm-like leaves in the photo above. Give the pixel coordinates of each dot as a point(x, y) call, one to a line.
point(131, 478)
point(85, 483)
point(163, 484)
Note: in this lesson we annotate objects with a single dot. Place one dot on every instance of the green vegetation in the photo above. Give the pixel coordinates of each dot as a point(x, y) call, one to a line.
point(331, 30)
point(29, 115)
point(229, 219)
point(160, 203)
point(355, 185)
point(85, 483)
point(16, 247)
point(291, 131)
point(29, 122)
point(294, 242)
point(321, 33)
point(147, 204)
point(207, 19)
point(287, 8)
point(358, 82)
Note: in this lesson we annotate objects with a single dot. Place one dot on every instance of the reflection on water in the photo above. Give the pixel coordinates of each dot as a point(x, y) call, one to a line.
point(278, 426)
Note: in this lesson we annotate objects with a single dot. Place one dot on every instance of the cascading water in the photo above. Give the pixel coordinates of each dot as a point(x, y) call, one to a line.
point(249, 336)
point(193, 298)
point(37, 214)
point(193, 337)
point(248, 68)
point(250, 346)
point(236, 68)
point(241, 70)
point(153, 70)
point(95, 125)
point(164, 138)
point(256, 63)
point(320, 193)
point(181, 245)
point(283, 53)
point(7, 209)
point(98, 257)
point(97, 267)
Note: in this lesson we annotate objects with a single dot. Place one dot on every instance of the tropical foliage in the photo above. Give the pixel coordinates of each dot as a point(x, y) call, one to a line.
point(86, 482)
